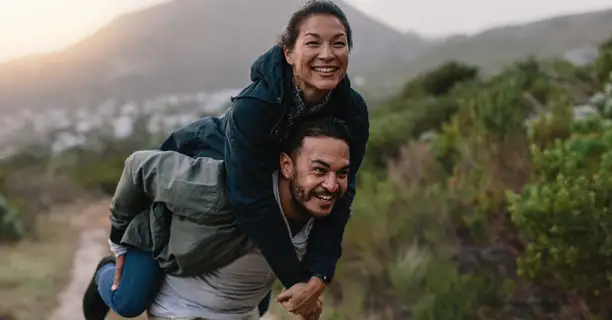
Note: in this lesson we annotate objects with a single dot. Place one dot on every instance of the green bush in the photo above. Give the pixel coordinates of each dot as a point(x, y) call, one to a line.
point(564, 216)
point(11, 226)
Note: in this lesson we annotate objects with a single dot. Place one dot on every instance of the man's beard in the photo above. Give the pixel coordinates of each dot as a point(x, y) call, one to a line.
point(299, 196)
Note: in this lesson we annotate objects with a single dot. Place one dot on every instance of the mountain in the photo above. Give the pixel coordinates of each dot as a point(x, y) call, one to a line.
point(179, 47)
point(497, 47)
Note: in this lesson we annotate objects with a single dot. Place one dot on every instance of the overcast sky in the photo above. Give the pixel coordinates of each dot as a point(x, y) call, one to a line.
point(28, 26)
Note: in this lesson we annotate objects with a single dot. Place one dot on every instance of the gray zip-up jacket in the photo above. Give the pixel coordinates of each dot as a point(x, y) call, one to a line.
point(158, 186)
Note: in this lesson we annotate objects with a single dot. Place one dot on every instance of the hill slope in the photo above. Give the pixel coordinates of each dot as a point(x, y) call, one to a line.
point(178, 47)
point(494, 48)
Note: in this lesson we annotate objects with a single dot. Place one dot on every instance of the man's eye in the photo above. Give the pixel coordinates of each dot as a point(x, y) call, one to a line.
point(319, 170)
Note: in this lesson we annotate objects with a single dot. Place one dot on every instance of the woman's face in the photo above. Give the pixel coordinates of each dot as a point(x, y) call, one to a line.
point(320, 55)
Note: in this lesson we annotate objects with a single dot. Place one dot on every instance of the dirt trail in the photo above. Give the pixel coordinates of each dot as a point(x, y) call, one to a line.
point(93, 225)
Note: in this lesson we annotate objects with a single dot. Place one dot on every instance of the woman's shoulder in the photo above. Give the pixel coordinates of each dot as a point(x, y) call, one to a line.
point(255, 108)
point(351, 98)
point(358, 100)
point(261, 91)
point(358, 105)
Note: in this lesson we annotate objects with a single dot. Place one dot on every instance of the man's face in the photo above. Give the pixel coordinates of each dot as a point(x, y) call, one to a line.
point(318, 174)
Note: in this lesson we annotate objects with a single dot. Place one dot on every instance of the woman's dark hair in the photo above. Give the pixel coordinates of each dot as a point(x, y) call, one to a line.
point(312, 8)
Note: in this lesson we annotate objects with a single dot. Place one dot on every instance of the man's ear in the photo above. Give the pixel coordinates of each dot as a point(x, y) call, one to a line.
point(288, 57)
point(286, 165)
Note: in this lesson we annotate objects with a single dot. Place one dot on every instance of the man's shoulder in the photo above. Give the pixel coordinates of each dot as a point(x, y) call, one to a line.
point(176, 163)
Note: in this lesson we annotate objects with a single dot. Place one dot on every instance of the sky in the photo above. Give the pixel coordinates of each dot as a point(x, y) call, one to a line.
point(31, 26)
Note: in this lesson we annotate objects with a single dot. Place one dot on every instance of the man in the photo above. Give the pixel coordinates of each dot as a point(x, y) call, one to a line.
point(313, 174)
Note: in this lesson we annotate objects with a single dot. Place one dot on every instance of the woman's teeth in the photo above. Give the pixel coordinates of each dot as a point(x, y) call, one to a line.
point(325, 70)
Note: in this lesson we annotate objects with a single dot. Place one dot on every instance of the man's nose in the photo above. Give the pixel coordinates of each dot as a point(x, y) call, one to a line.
point(331, 183)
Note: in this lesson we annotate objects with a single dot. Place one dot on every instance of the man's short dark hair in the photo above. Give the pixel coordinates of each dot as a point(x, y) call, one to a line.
point(321, 127)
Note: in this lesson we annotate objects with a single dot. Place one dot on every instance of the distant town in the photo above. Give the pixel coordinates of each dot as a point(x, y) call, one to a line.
point(58, 129)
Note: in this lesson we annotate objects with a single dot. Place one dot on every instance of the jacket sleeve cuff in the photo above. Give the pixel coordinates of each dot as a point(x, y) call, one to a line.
point(116, 235)
point(325, 278)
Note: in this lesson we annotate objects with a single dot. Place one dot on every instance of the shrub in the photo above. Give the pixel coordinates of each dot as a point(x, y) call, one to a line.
point(11, 226)
point(564, 216)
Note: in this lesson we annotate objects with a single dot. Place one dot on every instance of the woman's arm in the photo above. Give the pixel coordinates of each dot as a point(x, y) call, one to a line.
point(249, 167)
point(325, 240)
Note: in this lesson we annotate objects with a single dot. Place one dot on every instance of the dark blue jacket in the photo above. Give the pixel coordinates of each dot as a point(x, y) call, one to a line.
point(248, 137)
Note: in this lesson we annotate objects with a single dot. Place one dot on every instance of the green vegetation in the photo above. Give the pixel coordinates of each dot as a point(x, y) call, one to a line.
point(485, 198)
point(481, 197)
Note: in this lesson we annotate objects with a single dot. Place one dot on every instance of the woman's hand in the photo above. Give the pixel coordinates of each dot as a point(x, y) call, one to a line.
point(118, 271)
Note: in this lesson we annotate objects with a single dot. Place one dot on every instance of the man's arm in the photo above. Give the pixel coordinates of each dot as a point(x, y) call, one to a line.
point(161, 176)
point(325, 240)
point(249, 172)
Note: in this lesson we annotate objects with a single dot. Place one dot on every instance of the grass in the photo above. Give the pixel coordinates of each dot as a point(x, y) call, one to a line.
point(35, 271)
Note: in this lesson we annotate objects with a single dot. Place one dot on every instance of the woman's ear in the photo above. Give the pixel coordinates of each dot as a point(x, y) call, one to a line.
point(288, 56)
point(286, 166)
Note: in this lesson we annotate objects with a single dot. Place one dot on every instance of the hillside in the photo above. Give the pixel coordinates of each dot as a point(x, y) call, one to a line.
point(178, 47)
point(495, 48)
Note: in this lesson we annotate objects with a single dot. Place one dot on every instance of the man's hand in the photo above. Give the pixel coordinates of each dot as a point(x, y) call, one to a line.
point(302, 298)
point(118, 271)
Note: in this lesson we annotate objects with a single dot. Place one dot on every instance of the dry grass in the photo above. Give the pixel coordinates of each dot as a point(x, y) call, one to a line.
point(35, 271)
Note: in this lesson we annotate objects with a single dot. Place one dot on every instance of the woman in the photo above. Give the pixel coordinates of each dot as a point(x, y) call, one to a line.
point(294, 81)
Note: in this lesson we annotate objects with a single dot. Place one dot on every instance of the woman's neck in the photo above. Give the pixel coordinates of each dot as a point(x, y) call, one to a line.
point(310, 95)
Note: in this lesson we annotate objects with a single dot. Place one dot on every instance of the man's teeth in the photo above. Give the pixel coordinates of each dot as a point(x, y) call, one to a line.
point(326, 198)
point(325, 70)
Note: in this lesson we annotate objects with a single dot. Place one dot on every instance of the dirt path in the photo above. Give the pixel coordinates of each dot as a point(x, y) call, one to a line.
point(93, 225)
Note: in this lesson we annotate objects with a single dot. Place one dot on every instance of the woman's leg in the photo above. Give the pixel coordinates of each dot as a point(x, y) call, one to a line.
point(140, 282)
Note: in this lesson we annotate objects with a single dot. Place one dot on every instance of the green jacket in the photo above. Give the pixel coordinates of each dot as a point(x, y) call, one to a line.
point(158, 186)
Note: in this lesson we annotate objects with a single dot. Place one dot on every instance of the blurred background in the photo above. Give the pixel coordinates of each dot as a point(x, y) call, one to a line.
point(486, 188)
